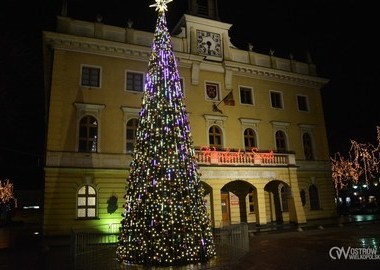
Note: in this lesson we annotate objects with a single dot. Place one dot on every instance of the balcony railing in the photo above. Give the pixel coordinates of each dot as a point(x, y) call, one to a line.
point(204, 156)
point(208, 156)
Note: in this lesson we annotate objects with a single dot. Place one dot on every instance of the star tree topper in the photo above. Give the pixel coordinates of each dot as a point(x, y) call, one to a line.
point(161, 5)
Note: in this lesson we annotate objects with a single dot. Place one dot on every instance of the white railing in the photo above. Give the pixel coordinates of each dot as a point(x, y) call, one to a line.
point(208, 156)
point(204, 156)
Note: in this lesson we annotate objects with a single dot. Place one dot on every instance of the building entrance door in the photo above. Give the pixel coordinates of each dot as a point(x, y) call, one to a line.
point(225, 202)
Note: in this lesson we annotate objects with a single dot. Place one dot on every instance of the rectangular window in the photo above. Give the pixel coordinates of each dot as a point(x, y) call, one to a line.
point(246, 96)
point(276, 99)
point(131, 130)
point(302, 103)
point(90, 76)
point(203, 7)
point(212, 91)
point(284, 199)
point(251, 203)
point(134, 81)
point(88, 133)
point(182, 86)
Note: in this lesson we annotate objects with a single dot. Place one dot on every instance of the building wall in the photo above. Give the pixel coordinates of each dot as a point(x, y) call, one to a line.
point(66, 90)
point(326, 193)
point(61, 187)
point(67, 169)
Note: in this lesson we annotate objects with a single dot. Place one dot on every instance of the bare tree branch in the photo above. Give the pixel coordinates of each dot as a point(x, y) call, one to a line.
point(362, 164)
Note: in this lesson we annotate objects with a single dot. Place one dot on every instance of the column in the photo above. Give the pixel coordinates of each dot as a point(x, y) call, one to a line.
point(216, 208)
point(262, 210)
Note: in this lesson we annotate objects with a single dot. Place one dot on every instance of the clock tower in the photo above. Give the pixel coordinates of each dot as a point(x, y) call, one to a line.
point(204, 8)
point(205, 34)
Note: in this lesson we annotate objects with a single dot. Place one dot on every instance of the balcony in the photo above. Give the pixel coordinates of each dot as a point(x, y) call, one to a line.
point(209, 156)
point(204, 156)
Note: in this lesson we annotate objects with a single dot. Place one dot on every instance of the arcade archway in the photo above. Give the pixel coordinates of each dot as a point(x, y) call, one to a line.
point(278, 201)
point(238, 201)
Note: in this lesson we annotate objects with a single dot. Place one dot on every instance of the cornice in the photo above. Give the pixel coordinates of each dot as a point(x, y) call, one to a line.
point(275, 75)
point(109, 48)
point(96, 46)
point(142, 53)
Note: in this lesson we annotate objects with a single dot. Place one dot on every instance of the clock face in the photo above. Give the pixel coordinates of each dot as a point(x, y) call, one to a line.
point(209, 43)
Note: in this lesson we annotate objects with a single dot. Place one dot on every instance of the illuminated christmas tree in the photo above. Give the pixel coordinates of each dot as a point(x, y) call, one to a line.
point(165, 220)
point(6, 192)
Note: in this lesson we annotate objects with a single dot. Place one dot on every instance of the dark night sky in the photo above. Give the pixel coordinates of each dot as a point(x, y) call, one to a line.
point(340, 35)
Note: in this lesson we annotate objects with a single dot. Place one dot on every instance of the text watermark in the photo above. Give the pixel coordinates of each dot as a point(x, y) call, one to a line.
point(352, 253)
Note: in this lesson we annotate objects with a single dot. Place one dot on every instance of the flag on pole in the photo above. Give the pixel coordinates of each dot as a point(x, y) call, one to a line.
point(229, 99)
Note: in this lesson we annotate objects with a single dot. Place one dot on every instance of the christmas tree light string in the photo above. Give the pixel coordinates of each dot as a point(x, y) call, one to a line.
point(165, 220)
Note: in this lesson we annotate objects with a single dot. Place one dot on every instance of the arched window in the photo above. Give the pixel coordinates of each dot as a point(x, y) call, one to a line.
point(86, 202)
point(215, 137)
point(249, 139)
point(281, 141)
point(314, 197)
point(131, 134)
point(303, 197)
point(251, 200)
point(88, 134)
point(284, 199)
point(307, 146)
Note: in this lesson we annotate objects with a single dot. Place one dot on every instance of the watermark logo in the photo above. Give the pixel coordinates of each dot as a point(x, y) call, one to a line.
point(350, 253)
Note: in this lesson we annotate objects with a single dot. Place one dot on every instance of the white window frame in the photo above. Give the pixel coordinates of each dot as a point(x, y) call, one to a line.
point(306, 102)
point(86, 206)
point(94, 110)
point(281, 98)
point(283, 126)
point(304, 128)
point(211, 120)
point(100, 76)
point(126, 80)
point(128, 113)
point(252, 95)
point(250, 123)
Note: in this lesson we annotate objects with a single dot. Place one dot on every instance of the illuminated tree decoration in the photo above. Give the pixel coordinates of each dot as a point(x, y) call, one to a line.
point(362, 164)
point(6, 192)
point(165, 220)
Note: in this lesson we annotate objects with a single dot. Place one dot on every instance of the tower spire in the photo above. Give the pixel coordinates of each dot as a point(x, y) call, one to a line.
point(64, 8)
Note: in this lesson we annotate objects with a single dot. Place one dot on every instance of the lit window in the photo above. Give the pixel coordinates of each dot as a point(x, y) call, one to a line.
point(86, 202)
point(90, 76)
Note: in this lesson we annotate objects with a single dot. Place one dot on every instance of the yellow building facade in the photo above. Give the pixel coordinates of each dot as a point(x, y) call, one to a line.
point(257, 123)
